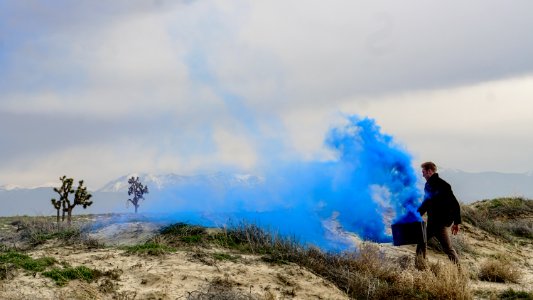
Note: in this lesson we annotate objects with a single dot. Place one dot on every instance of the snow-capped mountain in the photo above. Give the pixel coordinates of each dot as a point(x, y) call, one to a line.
point(163, 181)
point(14, 187)
point(10, 187)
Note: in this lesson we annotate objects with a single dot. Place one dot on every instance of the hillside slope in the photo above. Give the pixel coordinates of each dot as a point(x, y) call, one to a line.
point(146, 261)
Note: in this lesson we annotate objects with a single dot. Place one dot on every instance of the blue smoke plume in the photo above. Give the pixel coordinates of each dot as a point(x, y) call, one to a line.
point(367, 186)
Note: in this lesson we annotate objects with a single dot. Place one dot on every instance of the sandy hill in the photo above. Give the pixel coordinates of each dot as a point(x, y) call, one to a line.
point(98, 258)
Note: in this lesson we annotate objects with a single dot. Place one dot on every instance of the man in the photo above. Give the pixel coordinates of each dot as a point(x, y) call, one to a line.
point(443, 210)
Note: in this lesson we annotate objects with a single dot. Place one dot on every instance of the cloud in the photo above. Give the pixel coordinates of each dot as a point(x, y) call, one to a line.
point(196, 84)
point(475, 127)
point(330, 51)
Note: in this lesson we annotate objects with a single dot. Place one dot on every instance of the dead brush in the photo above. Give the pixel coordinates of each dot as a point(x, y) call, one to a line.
point(371, 275)
point(37, 231)
point(501, 217)
point(364, 274)
point(252, 239)
point(481, 218)
point(7, 271)
point(221, 289)
point(499, 270)
point(520, 228)
point(441, 280)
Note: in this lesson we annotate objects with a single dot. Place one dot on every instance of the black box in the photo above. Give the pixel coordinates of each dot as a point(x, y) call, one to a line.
point(408, 233)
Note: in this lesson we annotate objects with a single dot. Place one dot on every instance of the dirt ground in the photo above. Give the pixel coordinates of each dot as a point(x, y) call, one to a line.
point(196, 273)
point(191, 274)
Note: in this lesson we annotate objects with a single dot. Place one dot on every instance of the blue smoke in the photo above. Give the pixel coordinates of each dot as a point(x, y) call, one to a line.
point(367, 186)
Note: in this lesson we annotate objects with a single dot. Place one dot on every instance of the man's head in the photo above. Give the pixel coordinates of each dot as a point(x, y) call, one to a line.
point(428, 169)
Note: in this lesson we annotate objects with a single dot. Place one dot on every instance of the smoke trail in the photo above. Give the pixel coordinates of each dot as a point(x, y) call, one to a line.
point(368, 183)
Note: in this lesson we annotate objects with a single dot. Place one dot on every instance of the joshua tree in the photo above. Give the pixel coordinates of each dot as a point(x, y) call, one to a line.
point(63, 191)
point(81, 197)
point(137, 189)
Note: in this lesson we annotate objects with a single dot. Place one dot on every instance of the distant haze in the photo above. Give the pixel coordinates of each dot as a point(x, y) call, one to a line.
point(367, 184)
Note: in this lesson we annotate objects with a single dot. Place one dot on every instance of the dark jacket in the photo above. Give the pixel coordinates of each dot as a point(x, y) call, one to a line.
point(440, 203)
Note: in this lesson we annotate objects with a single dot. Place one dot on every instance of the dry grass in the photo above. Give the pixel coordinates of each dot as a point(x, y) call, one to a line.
point(499, 270)
point(221, 289)
point(369, 274)
point(31, 232)
point(459, 243)
point(365, 274)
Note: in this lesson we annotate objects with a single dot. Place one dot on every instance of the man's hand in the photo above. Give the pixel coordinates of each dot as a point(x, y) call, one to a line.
point(455, 229)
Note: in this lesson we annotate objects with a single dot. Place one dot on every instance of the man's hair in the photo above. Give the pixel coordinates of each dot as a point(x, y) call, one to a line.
point(429, 166)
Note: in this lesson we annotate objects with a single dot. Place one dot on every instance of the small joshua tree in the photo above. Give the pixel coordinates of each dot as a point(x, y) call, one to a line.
point(81, 197)
point(137, 189)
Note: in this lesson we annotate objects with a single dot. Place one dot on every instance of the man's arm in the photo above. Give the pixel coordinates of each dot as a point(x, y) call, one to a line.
point(456, 212)
point(456, 209)
point(423, 207)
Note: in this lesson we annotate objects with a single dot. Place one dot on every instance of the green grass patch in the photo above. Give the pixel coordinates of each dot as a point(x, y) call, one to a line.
point(509, 207)
point(64, 234)
point(183, 229)
point(512, 294)
point(183, 233)
point(225, 256)
point(63, 276)
point(25, 262)
point(149, 248)
point(192, 239)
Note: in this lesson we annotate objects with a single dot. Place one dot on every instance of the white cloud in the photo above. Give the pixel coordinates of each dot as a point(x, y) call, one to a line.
point(477, 127)
point(217, 82)
point(234, 150)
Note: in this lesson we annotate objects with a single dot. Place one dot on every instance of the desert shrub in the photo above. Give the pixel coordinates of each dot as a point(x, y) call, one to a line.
point(62, 276)
point(499, 270)
point(369, 274)
point(221, 289)
point(149, 248)
point(480, 217)
point(364, 274)
point(520, 228)
point(183, 229)
point(508, 207)
point(7, 271)
point(253, 239)
point(511, 294)
point(501, 208)
point(225, 256)
point(461, 245)
point(37, 231)
point(183, 233)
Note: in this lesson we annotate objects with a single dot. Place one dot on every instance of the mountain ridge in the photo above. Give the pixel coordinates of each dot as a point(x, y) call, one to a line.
point(112, 197)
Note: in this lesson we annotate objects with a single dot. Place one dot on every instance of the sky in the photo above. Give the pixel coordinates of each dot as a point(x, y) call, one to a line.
point(99, 89)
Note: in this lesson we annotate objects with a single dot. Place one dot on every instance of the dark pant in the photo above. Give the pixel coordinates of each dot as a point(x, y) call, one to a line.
point(442, 234)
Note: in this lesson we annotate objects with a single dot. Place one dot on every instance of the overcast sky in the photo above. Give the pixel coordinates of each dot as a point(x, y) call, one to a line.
point(99, 89)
